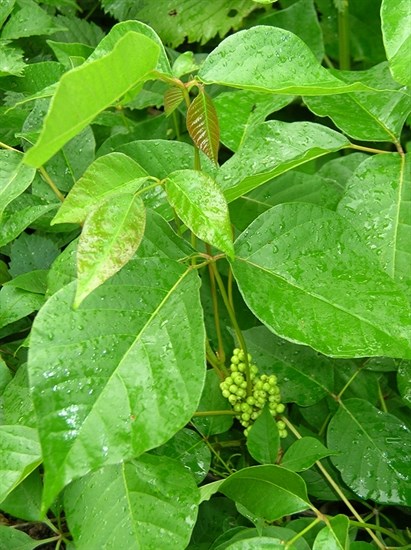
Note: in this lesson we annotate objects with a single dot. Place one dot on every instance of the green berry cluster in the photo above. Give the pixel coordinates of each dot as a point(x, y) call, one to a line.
point(263, 389)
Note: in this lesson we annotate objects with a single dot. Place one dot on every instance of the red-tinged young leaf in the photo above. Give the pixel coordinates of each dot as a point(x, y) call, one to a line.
point(202, 125)
point(201, 205)
point(173, 97)
point(111, 235)
point(268, 491)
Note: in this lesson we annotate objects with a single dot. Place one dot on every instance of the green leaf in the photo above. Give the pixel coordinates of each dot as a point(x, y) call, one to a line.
point(16, 304)
point(305, 273)
point(20, 214)
point(29, 20)
point(185, 63)
point(86, 90)
point(335, 536)
point(6, 7)
point(15, 177)
point(304, 376)
point(304, 453)
point(263, 441)
point(213, 400)
point(404, 381)
point(301, 19)
point(268, 491)
point(269, 59)
point(25, 500)
point(369, 116)
point(13, 539)
point(65, 52)
point(194, 20)
point(140, 504)
point(11, 60)
point(396, 22)
point(380, 211)
point(31, 252)
point(20, 455)
point(202, 125)
point(16, 403)
point(262, 543)
point(190, 449)
point(200, 204)
point(118, 367)
point(110, 237)
point(104, 178)
point(272, 148)
point(238, 111)
point(373, 451)
point(32, 281)
point(107, 44)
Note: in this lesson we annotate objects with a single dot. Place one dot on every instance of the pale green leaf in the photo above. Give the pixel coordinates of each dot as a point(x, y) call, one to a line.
point(369, 116)
point(404, 381)
point(15, 177)
point(262, 543)
point(306, 274)
point(373, 447)
point(29, 20)
point(396, 24)
point(25, 500)
point(64, 52)
point(16, 304)
point(6, 7)
point(139, 504)
point(86, 90)
point(13, 539)
point(377, 202)
point(272, 148)
point(213, 400)
point(116, 367)
point(335, 535)
point(20, 454)
point(200, 204)
point(267, 491)
point(104, 178)
point(269, 59)
point(11, 60)
point(111, 235)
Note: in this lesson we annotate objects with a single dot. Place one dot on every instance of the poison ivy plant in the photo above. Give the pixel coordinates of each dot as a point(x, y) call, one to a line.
point(205, 324)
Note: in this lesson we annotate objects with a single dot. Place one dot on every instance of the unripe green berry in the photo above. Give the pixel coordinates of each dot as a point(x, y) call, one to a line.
point(281, 425)
point(272, 380)
point(241, 367)
point(233, 388)
point(251, 400)
point(228, 381)
point(238, 379)
point(232, 399)
point(280, 408)
point(235, 360)
point(283, 434)
point(266, 386)
point(245, 416)
point(226, 394)
point(237, 407)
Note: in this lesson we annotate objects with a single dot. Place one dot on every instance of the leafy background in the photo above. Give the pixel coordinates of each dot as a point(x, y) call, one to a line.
point(176, 179)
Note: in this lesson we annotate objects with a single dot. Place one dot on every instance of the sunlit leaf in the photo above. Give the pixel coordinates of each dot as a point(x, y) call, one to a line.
point(15, 177)
point(396, 23)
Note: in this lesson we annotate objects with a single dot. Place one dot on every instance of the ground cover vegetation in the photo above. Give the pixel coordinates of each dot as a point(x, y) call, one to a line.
point(205, 274)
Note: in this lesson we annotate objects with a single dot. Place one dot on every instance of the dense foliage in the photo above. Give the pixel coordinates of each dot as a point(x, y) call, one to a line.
point(205, 266)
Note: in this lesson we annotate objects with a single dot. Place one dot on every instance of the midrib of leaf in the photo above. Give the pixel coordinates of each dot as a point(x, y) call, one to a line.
point(115, 373)
point(370, 439)
point(318, 297)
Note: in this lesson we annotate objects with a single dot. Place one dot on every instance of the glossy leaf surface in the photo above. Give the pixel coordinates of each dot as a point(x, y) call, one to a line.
point(396, 22)
point(139, 504)
point(119, 368)
point(307, 275)
point(15, 177)
point(106, 176)
point(404, 381)
point(270, 59)
point(334, 536)
point(102, 82)
point(272, 148)
point(368, 441)
point(377, 204)
point(268, 491)
point(111, 235)
point(377, 116)
point(201, 205)
point(202, 125)
point(20, 455)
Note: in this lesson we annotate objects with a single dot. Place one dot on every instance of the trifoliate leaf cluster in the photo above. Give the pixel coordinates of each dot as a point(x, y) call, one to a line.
point(264, 389)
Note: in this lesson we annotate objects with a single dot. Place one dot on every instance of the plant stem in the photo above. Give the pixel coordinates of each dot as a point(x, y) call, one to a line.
point(366, 149)
point(214, 413)
point(51, 183)
point(336, 487)
point(344, 36)
point(381, 397)
point(5, 146)
point(374, 527)
point(351, 379)
point(236, 327)
point(214, 297)
point(214, 361)
point(302, 533)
